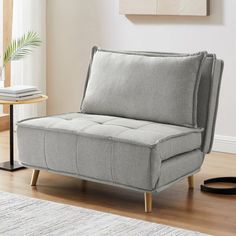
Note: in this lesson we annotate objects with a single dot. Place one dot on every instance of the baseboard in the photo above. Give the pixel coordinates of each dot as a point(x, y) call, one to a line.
point(224, 144)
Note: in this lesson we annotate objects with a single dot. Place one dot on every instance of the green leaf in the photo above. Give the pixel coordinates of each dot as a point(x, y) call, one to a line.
point(21, 47)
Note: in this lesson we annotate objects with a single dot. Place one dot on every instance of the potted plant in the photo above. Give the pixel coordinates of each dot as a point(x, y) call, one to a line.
point(20, 48)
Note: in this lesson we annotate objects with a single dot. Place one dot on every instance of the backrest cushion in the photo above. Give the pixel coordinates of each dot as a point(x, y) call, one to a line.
point(147, 87)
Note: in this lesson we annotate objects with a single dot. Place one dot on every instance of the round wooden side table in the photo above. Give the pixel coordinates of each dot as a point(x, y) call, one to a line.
point(14, 165)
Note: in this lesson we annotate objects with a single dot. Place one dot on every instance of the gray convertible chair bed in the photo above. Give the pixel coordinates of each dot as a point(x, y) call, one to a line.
point(146, 121)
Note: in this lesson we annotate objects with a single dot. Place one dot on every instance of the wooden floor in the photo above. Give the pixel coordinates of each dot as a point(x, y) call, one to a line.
point(176, 206)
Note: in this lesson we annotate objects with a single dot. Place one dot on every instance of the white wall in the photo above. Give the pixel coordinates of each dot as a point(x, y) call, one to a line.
point(74, 26)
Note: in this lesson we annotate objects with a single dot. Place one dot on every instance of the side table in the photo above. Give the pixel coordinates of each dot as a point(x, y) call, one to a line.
point(14, 165)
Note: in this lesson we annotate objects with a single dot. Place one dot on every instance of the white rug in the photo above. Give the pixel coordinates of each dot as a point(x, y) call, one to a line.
point(27, 216)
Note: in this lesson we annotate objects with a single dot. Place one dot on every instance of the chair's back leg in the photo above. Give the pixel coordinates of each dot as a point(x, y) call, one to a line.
point(34, 177)
point(191, 182)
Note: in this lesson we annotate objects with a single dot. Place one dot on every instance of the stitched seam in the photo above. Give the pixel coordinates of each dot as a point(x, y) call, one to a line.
point(117, 135)
point(207, 148)
point(77, 154)
point(173, 181)
point(104, 181)
point(87, 177)
point(177, 136)
point(152, 173)
point(194, 145)
point(132, 128)
point(179, 177)
point(94, 50)
point(90, 136)
point(87, 127)
point(62, 118)
point(216, 109)
point(209, 100)
point(111, 160)
point(150, 54)
point(42, 117)
point(99, 136)
point(44, 144)
point(195, 92)
point(96, 123)
point(145, 125)
point(213, 56)
point(110, 120)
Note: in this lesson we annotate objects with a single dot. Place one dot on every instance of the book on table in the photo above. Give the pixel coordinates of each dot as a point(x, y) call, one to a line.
point(19, 93)
point(18, 89)
point(12, 95)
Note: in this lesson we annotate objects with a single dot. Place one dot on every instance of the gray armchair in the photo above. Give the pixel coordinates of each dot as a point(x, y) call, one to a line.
point(147, 119)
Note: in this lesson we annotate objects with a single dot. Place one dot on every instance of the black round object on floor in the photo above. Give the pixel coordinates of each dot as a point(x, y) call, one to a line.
point(226, 191)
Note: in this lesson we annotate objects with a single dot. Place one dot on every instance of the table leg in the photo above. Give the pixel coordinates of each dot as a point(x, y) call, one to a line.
point(11, 165)
point(11, 135)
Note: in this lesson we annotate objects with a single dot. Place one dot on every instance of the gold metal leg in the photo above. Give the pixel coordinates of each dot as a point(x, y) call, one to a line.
point(148, 202)
point(191, 182)
point(34, 177)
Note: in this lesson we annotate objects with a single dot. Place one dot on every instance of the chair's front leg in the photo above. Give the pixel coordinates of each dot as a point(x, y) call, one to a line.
point(191, 182)
point(34, 177)
point(148, 202)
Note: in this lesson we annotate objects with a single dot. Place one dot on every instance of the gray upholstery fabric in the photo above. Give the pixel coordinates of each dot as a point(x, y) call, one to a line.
point(144, 86)
point(208, 95)
point(208, 92)
point(133, 153)
point(179, 166)
point(106, 148)
point(167, 177)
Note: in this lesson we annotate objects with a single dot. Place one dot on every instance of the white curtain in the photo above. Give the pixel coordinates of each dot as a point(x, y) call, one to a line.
point(30, 15)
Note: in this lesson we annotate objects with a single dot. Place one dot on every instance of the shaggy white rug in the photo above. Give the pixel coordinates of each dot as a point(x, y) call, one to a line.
point(27, 216)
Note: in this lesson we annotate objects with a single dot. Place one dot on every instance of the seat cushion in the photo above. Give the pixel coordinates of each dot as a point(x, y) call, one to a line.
point(150, 87)
point(107, 148)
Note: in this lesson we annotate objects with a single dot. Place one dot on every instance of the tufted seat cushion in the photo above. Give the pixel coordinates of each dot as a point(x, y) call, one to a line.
point(107, 148)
